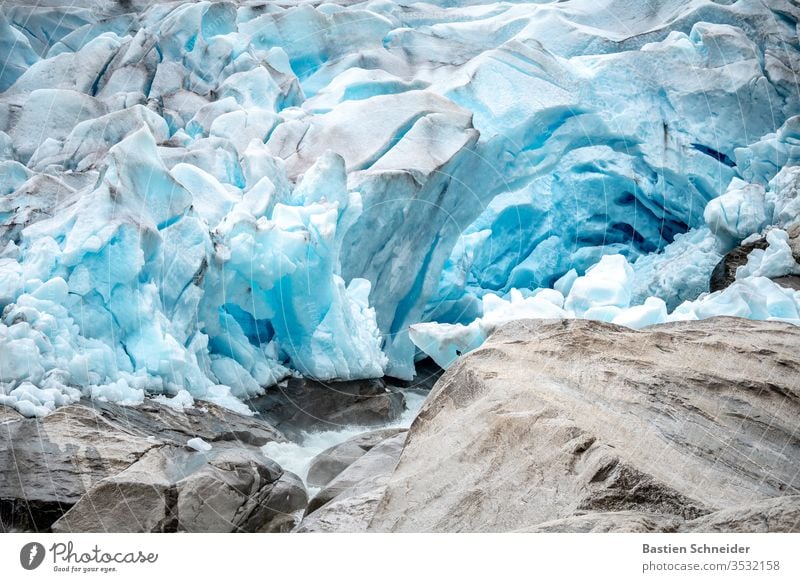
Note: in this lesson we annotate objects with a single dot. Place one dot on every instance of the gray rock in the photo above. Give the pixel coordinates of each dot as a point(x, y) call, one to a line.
point(302, 404)
point(349, 501)
point(332, 461)
point(49, 464)
point(8, 414)
point(171, 489)
point(427, 373)
point(380, 460)
point(610, 522)
point(781, 514)
point(789, 281)
point(210, 422)
point(724, 274)
point(794, 240)
point(552, 420)
point(283, 506)
point(346, 514)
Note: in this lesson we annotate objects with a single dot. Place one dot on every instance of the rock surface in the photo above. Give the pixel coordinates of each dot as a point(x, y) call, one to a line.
point(349, 513)
point(332, 461)
point(348, 502)
point(607, 429)
point(113, 457)
point(724, 273)
point(302, 404)
point(171, 489)
point(609, 522)
point(781, 514)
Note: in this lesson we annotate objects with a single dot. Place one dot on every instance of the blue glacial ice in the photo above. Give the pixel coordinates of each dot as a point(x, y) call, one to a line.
point(200, 199)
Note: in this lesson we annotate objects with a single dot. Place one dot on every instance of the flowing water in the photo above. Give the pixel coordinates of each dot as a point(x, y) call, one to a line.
point(297, 456)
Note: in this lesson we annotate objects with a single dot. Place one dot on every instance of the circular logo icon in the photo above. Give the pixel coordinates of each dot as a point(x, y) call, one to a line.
point(31, 555)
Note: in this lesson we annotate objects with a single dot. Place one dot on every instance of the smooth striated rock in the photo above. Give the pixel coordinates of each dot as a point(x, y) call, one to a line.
point(781, 514)
point(332, 461)
point(49, 464)
point(609, 522)
point(379, 461)
point(553, 420)
point(346, 513)
point(348, 502)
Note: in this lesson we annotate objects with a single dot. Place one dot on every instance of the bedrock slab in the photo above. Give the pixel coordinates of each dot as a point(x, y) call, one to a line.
point(688, 425)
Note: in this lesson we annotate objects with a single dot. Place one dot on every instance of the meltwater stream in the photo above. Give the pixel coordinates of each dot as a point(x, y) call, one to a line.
point(297, 456)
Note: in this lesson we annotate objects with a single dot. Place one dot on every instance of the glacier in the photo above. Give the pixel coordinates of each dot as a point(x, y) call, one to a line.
point(201, 199)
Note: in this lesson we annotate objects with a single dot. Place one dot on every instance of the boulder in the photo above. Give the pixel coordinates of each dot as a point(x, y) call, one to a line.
point(211, 423)
point(379, 461)
point(302, 404)
point(332, 461)
point(724, 274)
point(581, 420)
point(427, 373)
point(58, 458)
point(283, 506)
point(346, 513)
point(170, 489)
point(49, 463)
point(350, 499)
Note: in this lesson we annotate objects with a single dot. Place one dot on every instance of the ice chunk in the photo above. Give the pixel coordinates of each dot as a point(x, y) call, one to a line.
point(179, 402)
point(51, 113)
point(783, 194)
point(651, 312)
point(446, 342)
point(18, 53)
point(606, 284)
point(230, 373)
point(137, 175)
point(31, 400)
point(89, 141)
point(120, 392)
point(682, 271)
point(774, 261)
point(78, 71)
point(753, 298)
point(198, 445)
point(210, 199)
point(741, 211)
point(241, 127)
point(253, 89)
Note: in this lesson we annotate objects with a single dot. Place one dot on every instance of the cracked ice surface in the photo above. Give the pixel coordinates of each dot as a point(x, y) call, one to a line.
point(199, 199)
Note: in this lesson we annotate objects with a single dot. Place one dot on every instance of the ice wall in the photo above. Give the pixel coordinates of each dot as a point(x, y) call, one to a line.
point(198, 199)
